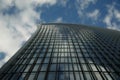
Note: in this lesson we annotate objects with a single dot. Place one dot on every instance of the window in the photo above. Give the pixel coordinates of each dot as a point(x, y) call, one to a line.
point(39, 60)
point(31, 77)
point(27, 68)
point(51, 76)
point(35, 67)
point(32, 61)
point(44, 67)
point(53, 67)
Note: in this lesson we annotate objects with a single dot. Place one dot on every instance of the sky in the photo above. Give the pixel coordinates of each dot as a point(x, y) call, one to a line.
point(19, 18)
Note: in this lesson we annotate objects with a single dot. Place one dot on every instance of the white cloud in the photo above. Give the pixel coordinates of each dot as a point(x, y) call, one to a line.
point(117, 14)
point(107, 20)
point(50, 2)
point(82, 5)
point(23, 4)
point(5, 4)
point(94, 15)
point(18, 27)
point(85, 3)
point(112, 18)
point(58, 20)
point(63, 2)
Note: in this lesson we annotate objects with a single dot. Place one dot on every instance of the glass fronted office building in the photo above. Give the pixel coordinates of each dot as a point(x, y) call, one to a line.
point(66, 52)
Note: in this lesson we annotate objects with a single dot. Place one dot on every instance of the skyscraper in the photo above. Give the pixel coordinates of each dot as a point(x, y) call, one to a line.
point(66, 52)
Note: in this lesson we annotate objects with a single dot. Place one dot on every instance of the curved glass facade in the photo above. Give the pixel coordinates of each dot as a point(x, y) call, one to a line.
point(66, 52)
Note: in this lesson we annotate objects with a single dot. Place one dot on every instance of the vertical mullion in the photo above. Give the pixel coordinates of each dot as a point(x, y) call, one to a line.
point(71, 55)
point(41, 64)
point(48, 67)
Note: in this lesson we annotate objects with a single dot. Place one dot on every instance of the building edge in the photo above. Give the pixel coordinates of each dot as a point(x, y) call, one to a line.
point(19, 51)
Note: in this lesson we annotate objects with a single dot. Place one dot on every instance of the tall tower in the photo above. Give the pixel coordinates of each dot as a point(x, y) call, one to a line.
point(66, 52)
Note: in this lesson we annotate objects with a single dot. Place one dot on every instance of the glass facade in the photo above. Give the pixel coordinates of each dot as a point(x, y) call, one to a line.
point(66, 52)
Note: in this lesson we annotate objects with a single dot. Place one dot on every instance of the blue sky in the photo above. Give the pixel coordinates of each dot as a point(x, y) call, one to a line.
point(18, 18)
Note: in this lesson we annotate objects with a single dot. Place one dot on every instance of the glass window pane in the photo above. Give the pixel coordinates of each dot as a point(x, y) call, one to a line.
point(108, 76)
point(44, 67)
point(66, 67)
point(51, 76)
point(84, 66)
point(71, 76)
point(20, 68)
point(22, 76)
point(53, 67)
point(41, 76)
point(31, 77)
point(62, 60)
point(77, 76)
point(81, 75)
point(82, 60)
point(46, 60)
point(32, 61)
point(61, 75)
point(75, 67)
point(80, 55)
point(66, 60)
point(35, 55)
point(74, 60)
point(93, 67)
point(98, 75)
point(67, 75)
point(102, 68)
point(87, 74)
point(61, 67)
point(39, 60)
point(35, 68)
point(27, 68)
point(54, 60)
point(15, 76)
point(70, 67)
point(69, 60)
